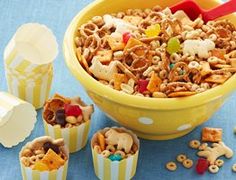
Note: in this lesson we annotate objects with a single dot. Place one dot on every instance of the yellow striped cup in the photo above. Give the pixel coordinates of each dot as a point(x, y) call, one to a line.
point(32, 49)
point(35, 91)
point(75, 138)
point(115, 170)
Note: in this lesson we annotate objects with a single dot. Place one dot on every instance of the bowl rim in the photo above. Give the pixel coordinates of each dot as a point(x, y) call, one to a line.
point(110, 94)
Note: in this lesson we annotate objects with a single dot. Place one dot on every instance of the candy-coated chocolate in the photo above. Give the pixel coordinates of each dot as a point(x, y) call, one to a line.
point(72, 110)
point(173, 45)
point(60, 117)
point(153, 30)
point(142, 85)
point(202, 165)
point(115, 157)
point(49, 145)
point(126, 36)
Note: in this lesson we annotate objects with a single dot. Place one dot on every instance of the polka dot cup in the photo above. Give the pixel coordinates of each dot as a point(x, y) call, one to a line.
point(149, 118)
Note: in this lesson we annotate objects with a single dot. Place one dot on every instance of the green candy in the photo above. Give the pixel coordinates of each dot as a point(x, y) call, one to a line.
point(173, 45)
point(115, 157)
point(172, 65)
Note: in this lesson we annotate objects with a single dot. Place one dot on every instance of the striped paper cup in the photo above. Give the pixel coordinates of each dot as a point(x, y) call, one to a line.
point(114, 170)
point(29, 174)
point(35, 91)
point(32, 49)
point(17, 119)
point(57, 174)
point(75, 138)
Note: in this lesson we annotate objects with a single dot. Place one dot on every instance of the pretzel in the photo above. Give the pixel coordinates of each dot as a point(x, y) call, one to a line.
point(175, 74)
point(88, 29)
point(193, 75)
point(175, 26)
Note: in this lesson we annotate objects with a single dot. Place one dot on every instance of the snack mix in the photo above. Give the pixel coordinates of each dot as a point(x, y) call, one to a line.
point(66, 112)
point(155, 53)
point(114, 143)
point(44, 154)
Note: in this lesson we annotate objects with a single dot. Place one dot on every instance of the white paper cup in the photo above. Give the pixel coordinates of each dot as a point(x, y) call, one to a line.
point(33, 48)
point(35, 91)
point(115, 170)
point(17, 119)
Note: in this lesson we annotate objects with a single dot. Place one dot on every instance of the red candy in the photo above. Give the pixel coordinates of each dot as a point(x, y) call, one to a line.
point(202, 165)
point(72, 110)
point(142, 85)
point(126, 37)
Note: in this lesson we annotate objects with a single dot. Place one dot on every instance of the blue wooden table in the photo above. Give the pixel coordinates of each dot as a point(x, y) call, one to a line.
point(57, 14)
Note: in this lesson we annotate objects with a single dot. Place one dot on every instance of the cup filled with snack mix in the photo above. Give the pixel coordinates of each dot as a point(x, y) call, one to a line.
point(44, 158)
point(158, 73)
point(115, 153)
point(68, 118)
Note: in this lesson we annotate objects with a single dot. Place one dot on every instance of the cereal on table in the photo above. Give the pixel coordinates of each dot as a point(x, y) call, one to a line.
point(173, 55)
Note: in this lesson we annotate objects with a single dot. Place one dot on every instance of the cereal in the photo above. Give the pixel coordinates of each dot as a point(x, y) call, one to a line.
point(213, 169)
point(214, 152)
point(234, 168)
point(181, 157)
point(171, 166)
point(219, 162)
point(97, 149)
point(119, 79)
point(121, 153)
point(211, 134)
point(187, 163)
point(111, 148)
point(122, 140)
point(71, 119)
point(52, 160)
point(194, 144)
point(139, 42)
point(105, 153)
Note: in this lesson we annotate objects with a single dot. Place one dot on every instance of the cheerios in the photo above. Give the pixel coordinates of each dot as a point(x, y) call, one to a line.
point(219, 162)
point(234, 168)
point(194, 144)
point(111, 148)
point(187, 163)
point(213, 169)
point(203, 146)
point(121, 153)
point(181, 157)
point(171, 166)
point(106, 153)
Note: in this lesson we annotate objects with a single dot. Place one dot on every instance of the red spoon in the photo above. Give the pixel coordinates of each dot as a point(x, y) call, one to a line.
point(193, 10)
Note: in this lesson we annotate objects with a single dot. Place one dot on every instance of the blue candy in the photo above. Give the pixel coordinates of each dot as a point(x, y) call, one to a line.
point(115, 157)
point(172, 65)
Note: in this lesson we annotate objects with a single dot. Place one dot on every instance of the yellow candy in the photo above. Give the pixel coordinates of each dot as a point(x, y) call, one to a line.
point(153, 30)
point(40, 166)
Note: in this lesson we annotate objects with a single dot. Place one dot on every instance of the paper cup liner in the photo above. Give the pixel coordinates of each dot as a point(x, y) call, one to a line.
point(32, 48)
point(29, 174)
point(57, 174)
point(17, 119)
point(115, 170)
point(75, 138)
point(35, 92)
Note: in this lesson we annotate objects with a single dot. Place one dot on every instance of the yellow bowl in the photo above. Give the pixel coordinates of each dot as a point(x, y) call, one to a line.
point(149, 118)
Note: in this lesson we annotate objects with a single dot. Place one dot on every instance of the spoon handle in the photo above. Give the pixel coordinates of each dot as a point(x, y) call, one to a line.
point(221, 10)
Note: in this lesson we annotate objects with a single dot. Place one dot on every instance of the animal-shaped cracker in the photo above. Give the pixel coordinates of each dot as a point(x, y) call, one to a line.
point(199, 47)
point(214, 152)
point(101, 71)
point(122, 140)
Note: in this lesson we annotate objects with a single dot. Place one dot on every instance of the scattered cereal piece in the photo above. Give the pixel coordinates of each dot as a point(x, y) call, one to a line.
point(219, 162)
point(188, 163)
point(213, 169)
point(171, 166)
point(202, 166)
point(217, 150)
point(203, 146)
point(173, 45)
point(181, 157)
point(194, 144)
point(234, 168)
point(115, 157)
point(153, 30)
point(101, 141)
point(52, 160)
point(211, 134)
